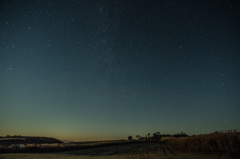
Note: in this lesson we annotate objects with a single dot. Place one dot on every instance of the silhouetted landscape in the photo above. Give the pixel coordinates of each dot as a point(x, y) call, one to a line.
point(215, 145)
point(13, 140)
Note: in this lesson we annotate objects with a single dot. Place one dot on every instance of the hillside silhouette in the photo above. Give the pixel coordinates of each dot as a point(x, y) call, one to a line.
point(11, 140)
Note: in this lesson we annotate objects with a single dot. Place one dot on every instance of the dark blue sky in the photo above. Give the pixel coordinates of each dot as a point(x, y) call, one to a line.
point(93, 70)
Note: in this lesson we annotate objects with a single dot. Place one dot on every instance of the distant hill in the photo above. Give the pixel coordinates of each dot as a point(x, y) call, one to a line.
point(9, 140)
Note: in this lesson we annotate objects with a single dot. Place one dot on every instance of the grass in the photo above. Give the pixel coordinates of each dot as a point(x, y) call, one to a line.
point(220, 143)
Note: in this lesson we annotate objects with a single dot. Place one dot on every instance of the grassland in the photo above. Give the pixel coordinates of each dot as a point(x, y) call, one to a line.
point(218, 143)
point(126, 151)
point(210, 146)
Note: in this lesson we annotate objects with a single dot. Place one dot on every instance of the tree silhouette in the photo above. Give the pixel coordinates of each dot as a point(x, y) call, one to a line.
point(138, 137)
point(130, 138)
point(156, 136)
point(148, 136)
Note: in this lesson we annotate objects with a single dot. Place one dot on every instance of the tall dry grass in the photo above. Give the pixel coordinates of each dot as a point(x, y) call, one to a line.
point(221, 143)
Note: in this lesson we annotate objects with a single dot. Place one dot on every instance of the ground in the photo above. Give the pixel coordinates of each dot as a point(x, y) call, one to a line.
point(128, 151)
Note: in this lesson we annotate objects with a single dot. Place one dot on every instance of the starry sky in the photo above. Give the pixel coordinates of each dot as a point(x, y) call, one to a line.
point(106, 69)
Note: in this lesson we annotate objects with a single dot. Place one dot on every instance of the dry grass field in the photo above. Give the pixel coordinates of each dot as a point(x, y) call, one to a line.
point(219, 143)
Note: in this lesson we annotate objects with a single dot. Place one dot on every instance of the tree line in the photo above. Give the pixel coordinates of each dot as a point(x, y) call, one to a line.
point(155, 136)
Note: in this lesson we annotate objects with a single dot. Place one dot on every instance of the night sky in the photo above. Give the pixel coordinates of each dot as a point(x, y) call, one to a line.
point(107, 69)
